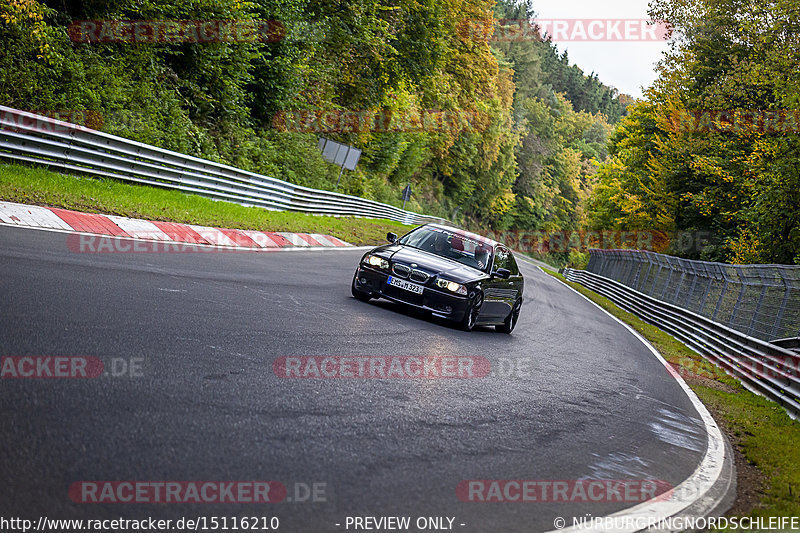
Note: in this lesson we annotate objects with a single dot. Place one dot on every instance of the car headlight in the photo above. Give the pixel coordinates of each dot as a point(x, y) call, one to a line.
point(374, 260)
point(452, 286)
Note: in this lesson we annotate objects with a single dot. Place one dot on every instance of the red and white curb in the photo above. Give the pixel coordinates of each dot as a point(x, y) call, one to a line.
point(55, 219)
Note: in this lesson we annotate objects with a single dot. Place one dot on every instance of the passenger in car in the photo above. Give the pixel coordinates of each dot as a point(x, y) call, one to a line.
point(482, 257)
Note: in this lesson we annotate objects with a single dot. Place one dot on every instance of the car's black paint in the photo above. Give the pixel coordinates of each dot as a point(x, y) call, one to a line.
point(493, 294)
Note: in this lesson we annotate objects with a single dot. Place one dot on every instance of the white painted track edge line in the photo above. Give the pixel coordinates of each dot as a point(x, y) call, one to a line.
point(702, 479)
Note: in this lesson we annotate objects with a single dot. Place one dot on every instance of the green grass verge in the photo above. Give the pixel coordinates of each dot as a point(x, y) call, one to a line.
point(759, 428)
point(33, 185)
point(575, 259)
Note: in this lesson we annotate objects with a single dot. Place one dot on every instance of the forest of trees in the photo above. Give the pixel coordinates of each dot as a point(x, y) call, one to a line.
point(535, 143)
point(714, 147)
point(527, 162)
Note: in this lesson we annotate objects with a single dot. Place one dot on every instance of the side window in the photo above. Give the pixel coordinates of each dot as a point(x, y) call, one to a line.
point(501, 258)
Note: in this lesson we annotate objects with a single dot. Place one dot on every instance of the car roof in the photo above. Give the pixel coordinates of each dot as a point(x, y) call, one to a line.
point(465, 233)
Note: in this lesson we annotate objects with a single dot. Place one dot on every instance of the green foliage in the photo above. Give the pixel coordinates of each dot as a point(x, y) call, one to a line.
point(500, 168)
point(557, 161)
point(561, 117)
point(739, 183)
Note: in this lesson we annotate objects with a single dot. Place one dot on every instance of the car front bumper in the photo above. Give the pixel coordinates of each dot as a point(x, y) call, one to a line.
point(438, 302)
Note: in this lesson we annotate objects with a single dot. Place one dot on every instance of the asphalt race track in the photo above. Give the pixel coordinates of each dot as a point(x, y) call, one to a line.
point(572, 395)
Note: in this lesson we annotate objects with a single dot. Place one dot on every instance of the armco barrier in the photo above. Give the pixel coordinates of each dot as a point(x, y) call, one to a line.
point(27, 137)
point(762, 367)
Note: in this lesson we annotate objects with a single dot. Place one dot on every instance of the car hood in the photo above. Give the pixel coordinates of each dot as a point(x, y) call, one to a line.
point(432, 263)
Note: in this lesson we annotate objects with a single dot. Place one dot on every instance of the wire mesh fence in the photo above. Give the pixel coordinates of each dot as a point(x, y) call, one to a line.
point(762, 301)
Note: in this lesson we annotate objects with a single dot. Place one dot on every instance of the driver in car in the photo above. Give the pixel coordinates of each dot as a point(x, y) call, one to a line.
point(442, 247)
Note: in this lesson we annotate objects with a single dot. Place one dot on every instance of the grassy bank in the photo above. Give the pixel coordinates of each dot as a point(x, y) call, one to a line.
point(32, 185)
point(764, 437)
point(575, 259)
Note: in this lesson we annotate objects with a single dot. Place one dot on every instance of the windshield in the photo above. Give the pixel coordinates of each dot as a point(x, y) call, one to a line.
point(456, 246)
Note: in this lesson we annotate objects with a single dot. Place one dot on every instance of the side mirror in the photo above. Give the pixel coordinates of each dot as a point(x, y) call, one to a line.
point(391, 237)
point(502, 273)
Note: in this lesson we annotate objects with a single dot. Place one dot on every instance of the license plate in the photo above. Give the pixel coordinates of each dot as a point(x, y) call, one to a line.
point(406, 285)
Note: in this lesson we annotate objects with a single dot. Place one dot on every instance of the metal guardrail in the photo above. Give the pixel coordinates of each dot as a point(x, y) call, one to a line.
point(762, 301)
point(762, 367)
point(30, 138)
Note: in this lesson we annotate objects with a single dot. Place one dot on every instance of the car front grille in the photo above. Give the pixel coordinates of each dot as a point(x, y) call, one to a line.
point(402, 271)
point(419, 276)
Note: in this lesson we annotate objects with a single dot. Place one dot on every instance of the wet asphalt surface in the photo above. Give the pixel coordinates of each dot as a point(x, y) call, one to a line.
point(193, 337)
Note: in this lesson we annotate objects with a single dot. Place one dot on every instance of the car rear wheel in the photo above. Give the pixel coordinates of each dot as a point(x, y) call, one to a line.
point(511, 320)
point(471, 315)
point(358, 294)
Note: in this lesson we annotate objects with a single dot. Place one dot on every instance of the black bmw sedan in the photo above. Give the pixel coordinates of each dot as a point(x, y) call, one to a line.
point(448, 272)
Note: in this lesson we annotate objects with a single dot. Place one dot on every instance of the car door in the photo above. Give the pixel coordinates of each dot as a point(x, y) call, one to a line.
point(500, 294)
point(516, 283)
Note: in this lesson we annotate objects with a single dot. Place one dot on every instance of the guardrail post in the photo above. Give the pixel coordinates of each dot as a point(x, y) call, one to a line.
point(779, 317)
point(613, 266)
point(69, 145)
point(655, 280)
point(666, 283)
point(736, 305)
point(638, 271)
point(627, 270)
point(678, 288)
point(695, 277)
point(721, 296)
point(758, 308)
point(705, 295)
point(592, 260)
point(646, 275)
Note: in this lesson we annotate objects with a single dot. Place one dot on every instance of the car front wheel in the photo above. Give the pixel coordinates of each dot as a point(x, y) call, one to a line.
point(358, 294)
point(471, 314)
